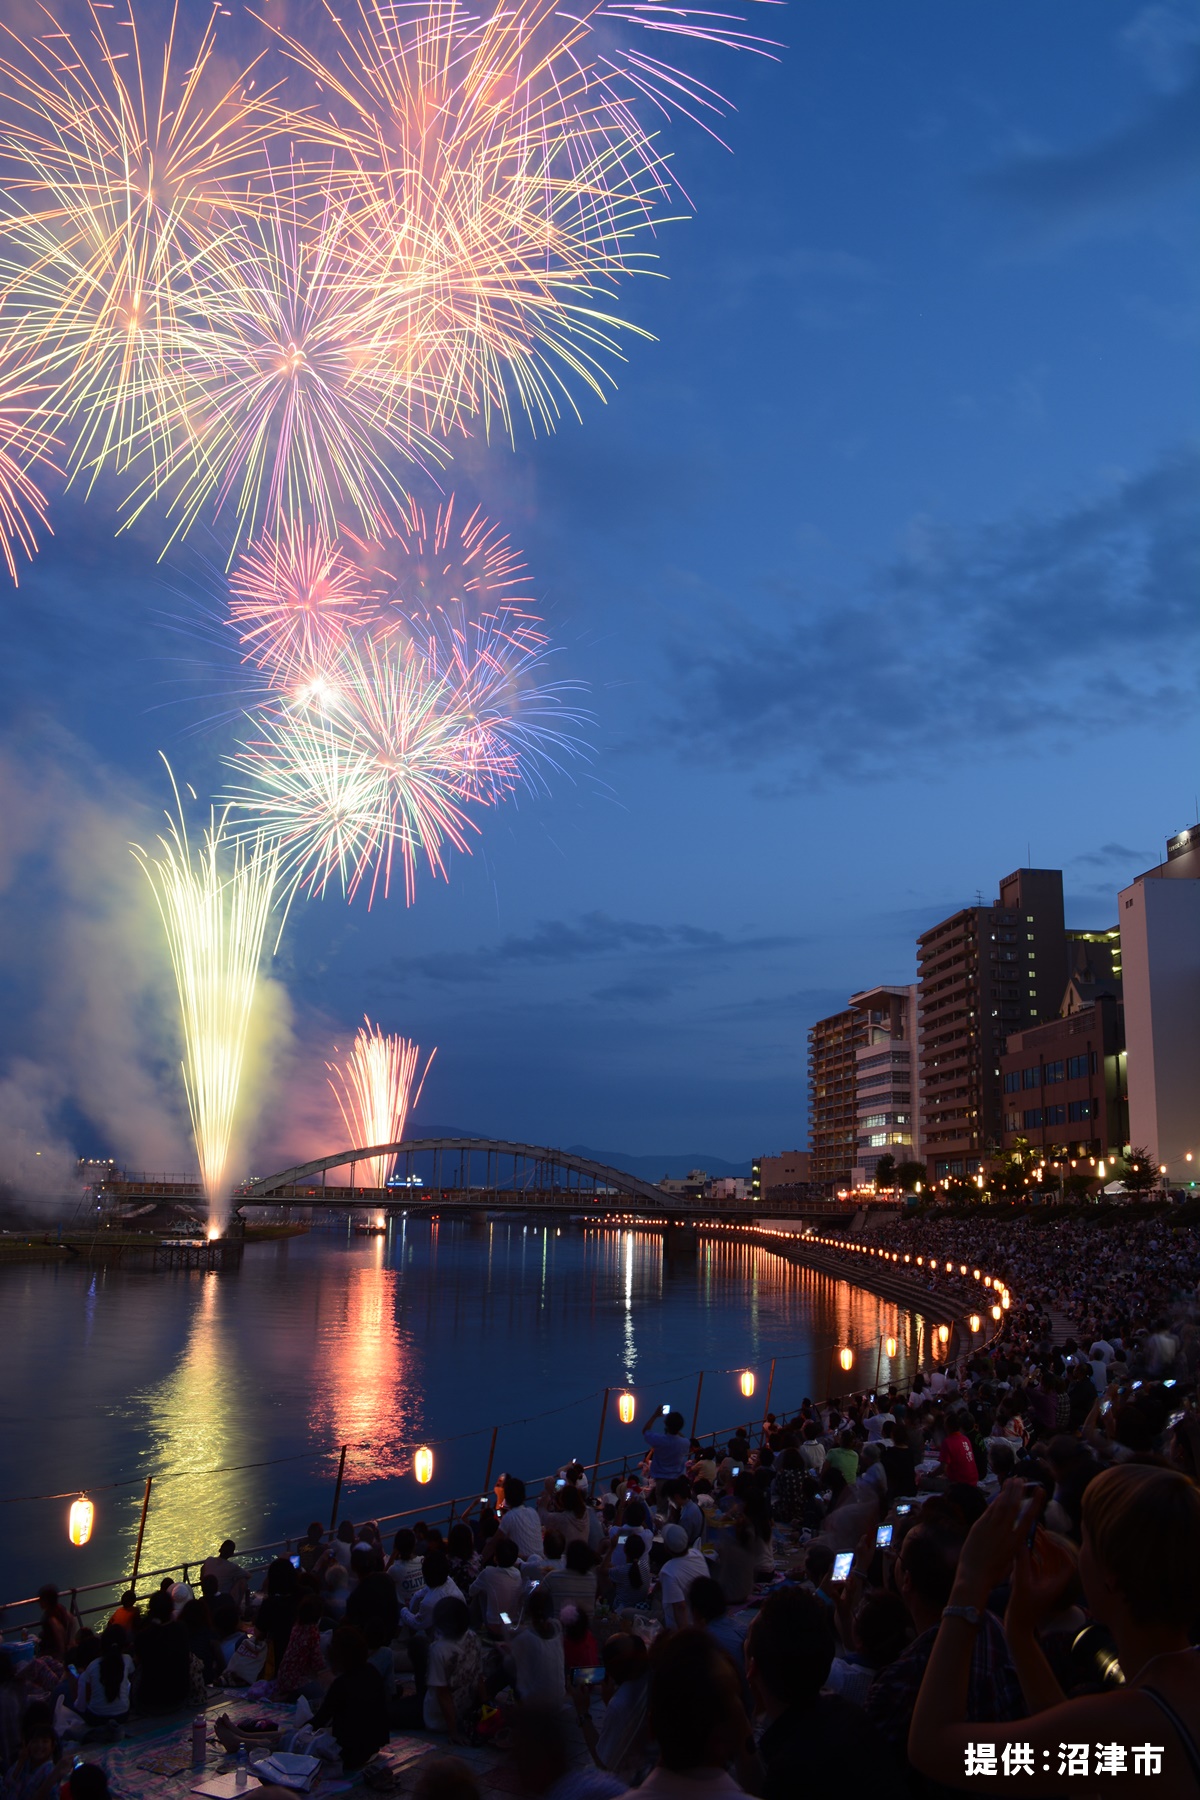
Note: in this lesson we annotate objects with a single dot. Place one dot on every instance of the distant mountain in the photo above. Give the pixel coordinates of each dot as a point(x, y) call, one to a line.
point(653, 1168)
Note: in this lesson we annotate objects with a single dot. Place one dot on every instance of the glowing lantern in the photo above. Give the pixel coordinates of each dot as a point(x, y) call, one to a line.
point(846, 1358)
point(625, 1409)
point(962, 1268)
point(997, 1314)
point(1004, 1301)
point(949, 1268)
point(987, 1281)
point(943, 1333)
point(907, 1257)
point(975, 1323)
point(920, 1262)
point(80, 1520)
point(423, 1464)
point(889, 1347)
point(975, 1273)
point(747, 1382)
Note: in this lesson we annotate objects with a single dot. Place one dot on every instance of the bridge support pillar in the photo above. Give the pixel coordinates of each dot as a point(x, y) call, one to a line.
point(681, 1245)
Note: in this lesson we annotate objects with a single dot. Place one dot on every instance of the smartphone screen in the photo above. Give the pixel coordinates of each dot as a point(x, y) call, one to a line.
point(667, 1408)
point(534, 1584)
point(587, 1677)
point(505, 1619)
point(295, 1561)
point(883, 1537)
point(623, 1537)
point(843, 1562)
point(902, 1506)
point(1136, 1386)
point(561, 1482)
point(736, 1470)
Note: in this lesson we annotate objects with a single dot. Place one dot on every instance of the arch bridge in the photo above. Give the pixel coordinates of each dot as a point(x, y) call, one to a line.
point(474, 1173)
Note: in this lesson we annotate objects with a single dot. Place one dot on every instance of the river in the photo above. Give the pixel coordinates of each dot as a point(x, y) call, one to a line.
point(433, 1334)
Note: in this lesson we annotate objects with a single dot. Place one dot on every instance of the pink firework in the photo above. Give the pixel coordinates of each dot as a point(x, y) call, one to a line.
point(294, 599)
point(374, 1087)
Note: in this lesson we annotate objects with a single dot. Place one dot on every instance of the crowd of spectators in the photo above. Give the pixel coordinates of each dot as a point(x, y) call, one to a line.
point(989, 1579)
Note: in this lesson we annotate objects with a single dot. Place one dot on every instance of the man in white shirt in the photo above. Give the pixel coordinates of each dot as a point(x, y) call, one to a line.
point(684, 1565)
point(438, 1586)
point(519, 1521)
point(499, 1587)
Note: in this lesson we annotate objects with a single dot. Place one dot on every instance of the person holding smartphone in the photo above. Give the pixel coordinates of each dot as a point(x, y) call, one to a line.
point(663, 1431)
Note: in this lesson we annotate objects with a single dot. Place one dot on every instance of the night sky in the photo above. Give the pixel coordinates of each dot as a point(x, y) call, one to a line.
point(880, 569)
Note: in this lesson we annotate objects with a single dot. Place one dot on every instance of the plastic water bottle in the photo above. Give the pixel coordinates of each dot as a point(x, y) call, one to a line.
point(239, 1779)
point(198, 1738)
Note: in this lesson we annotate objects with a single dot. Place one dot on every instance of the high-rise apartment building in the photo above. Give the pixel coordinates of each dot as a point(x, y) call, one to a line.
point(983, 973)
point(1160, 949)
point(885, 1073)
point(832, 1087)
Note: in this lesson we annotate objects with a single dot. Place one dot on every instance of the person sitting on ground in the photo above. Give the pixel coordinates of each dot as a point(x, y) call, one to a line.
point(575, 1583)
point(229, 1577)
point(227, 1628)
point(313, 1548)
point(38, 1769)
point(162, 1659)
point(126, 1616)
point(373, 1604)
point(461, 1555)
point(551, 1760)
point(710, 1612)
point(626, 1565)
point(303, 1663)
point(812, 1739)
point(623, 1743)
point(277, 1611)
point(404, 1567)
point(1140, 1569)
point(202, 1640)
point(536, 1653)
point(684, 1564)
point(497, 1589)
point(519, 1521)
point(102, 1696)
point(438, 1586)
point(696, 1718)
point(355, 1707)
point(56, 1630)
point(454, 1678)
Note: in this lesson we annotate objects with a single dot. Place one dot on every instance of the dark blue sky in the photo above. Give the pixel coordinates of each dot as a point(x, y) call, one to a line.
point(881, 566)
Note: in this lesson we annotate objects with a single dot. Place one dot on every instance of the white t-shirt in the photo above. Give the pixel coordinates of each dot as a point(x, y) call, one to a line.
point(540, 1670)
point(407, 1578)
point(676, 1577)
point(91, 1698)
point(524, 1527)
point(501, 1591)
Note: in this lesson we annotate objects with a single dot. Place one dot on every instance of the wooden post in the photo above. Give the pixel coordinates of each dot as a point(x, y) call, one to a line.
point(137, 1549)
point(487, 1480)
point(337, 1492)
point(600, 1433)
point(696, 1409)
point(770, 1385)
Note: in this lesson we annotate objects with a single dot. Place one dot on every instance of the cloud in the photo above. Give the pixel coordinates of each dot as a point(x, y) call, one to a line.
point(557, 943)
point(1009, 634)
point(820, 290)
point(1073, 187)
point(1114, 853)
point(1162, 41)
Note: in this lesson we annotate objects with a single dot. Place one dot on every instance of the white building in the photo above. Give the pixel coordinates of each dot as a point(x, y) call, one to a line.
point(1160, 953)
point(886, 1080)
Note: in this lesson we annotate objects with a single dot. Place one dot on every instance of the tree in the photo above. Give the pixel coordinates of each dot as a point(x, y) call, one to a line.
point(908, 1174)
point(885, 1171)
point(1138, 1171)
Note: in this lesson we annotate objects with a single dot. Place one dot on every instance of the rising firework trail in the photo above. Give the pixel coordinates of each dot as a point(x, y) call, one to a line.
point(215, 903)
point(374, 1088)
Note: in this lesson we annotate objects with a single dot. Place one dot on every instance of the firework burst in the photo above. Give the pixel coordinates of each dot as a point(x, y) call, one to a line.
point(215, 904)
point(374, 1087)
point(120, 174)
point(294, 600)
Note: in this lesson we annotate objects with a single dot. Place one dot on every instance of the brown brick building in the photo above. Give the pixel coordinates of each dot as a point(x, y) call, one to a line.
point(983, 973)
point(832, 1096)
point(1065, 1085)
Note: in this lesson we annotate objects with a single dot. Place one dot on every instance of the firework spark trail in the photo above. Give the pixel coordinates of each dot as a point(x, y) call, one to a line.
point(215, 904)
point(288, 421)
point(374, 778)
point(432, 700)
point(24, 441)
point(294, 599)
point(121, 172)
point(375, 1092)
